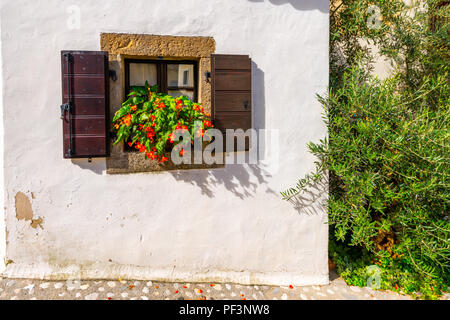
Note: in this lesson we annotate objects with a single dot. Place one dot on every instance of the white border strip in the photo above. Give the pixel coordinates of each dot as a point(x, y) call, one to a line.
point(2, 165)
point(132, 272)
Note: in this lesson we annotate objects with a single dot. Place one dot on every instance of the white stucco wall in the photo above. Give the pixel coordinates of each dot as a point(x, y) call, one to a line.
point(200, 225)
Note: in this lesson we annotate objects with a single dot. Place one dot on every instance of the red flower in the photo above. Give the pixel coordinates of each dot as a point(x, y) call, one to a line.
point(172, 137)
point(140, 147)
point(127, 119)
point(182, 127)
point(181, 152)
point(152, 117)
point(207, 124)
point(198, 108)
point(163, 159)
point(161, 105)
point(179, 104)
point(152, 155)
point(200, 133)
point(150, 132)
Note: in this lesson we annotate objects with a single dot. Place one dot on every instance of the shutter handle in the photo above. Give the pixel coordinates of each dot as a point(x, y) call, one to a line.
point(64, 107)
point(245, 104)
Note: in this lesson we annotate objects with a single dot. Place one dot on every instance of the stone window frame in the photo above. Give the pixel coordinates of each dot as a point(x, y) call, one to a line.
point(121, 46)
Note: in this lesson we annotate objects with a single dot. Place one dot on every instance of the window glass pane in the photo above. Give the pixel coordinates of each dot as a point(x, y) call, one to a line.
point(141, 72)
point(180, 75)
point(181, 92)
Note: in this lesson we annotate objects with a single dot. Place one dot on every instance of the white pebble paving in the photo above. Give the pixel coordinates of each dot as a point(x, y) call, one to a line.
point(92, 296)
point(321, 294)
point(58, 285)
point(30, 288)
point(10, 283)
point(44, 285)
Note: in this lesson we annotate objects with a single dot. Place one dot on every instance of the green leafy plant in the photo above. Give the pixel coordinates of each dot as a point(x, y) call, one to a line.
point(148, 121)
point(387, 155)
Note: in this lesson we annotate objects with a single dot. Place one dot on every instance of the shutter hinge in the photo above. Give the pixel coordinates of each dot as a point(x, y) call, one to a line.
point(113, 75)
point(208, 76)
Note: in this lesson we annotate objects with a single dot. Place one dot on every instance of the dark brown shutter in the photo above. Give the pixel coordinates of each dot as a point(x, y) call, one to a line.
point(85, 103)
point(231, 77)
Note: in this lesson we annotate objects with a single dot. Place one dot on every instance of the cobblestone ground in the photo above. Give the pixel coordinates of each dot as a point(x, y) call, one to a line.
point(28, 289)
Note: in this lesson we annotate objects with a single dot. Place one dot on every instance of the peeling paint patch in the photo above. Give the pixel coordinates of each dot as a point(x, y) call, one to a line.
point(23, 207)
point(37, 223)
point(24, 211)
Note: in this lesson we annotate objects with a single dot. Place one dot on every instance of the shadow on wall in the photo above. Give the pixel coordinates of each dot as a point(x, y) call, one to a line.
point(97, 165)
point(237, 177)
point(321, 5)
point(309, 202)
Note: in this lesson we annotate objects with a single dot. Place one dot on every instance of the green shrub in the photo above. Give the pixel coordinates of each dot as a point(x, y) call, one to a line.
point(387, 155)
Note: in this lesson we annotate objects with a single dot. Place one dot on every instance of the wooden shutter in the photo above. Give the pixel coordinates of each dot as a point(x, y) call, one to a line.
point(231, 100)
point(84, 111)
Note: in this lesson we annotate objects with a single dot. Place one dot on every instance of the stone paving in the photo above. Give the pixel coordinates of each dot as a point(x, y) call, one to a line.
point(29, 289)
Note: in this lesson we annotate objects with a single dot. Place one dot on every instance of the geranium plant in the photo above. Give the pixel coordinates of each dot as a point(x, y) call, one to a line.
point(148, 121)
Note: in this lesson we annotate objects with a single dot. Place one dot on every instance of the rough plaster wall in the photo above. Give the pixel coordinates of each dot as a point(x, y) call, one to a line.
point(224, 224)
point(2, 177)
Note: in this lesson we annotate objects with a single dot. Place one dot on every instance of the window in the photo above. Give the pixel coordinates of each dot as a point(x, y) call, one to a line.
point(174, 77)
